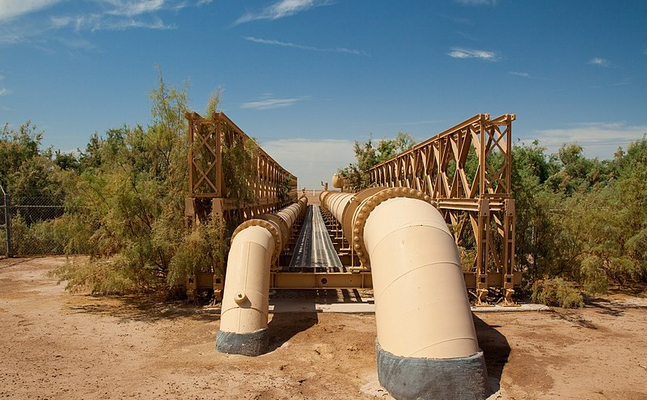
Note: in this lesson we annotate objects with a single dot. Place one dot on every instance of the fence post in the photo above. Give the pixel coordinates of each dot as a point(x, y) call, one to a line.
point(7, 219)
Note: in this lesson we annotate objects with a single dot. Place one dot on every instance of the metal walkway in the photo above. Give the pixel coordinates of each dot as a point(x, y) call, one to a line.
point(314, 251)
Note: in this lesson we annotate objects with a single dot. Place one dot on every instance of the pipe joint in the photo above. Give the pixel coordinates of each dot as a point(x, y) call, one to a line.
point(271, 227)
point(367, 206)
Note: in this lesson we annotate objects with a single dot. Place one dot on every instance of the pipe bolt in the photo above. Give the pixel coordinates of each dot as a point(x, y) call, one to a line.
point(240, 298)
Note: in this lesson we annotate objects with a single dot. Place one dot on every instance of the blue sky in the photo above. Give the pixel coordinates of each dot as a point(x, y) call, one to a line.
point(309, 77)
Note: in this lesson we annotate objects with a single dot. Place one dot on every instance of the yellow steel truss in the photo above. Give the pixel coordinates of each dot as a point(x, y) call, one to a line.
point(467, 170)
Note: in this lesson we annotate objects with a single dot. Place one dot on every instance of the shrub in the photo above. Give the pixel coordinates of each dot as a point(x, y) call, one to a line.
point(556, 292)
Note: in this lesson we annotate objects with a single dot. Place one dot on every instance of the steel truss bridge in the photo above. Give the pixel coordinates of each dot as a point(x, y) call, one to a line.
point(465, 172)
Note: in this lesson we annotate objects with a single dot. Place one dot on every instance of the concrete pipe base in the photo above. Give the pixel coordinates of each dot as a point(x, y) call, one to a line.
point(408, 378)
point(248, 344)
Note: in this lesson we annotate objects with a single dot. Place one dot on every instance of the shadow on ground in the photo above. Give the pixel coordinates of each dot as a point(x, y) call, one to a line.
point(496, 349)
point(139, 308)
point(284, 326)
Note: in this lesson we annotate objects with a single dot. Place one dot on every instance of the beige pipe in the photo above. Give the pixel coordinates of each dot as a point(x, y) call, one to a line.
point(338, 201)
point(418, 282)
point(426, 342)
point(255, 245)
point(245, 301)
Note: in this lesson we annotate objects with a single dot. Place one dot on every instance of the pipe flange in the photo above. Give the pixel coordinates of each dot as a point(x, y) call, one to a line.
point(368, 205)
point(267, 225)
point(279, 223)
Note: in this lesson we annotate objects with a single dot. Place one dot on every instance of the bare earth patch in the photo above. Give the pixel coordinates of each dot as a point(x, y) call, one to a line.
point(57, 345)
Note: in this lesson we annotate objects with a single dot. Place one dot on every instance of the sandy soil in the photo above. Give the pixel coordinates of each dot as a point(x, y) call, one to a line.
point(56, 345)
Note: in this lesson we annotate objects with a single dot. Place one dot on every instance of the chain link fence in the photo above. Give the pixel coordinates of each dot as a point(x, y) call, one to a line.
point(30, 225)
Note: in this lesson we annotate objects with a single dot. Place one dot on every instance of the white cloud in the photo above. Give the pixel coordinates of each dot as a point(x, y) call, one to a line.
point(600, 62)
point(116, 22)
point(281, 9)
point(312, 161)
point(133, 8)
point(458, 52)
point(15, 8)
point(268, 104)
point(273, 42)
point(527, 75)
point(599, 139)
point(115, 15)
point(4, 91)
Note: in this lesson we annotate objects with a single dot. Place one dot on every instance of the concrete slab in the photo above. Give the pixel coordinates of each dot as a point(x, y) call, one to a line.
point(307, 305)
point(367, 306)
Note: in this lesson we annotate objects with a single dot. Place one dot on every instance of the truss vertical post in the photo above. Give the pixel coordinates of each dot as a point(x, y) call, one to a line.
point(482, 179)
point(509, 245)
point(482, 250)
point(191, 135)
point(219, 139)
point(7, 219)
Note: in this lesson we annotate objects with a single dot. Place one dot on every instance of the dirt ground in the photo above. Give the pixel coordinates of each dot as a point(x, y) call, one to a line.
point(56, 345)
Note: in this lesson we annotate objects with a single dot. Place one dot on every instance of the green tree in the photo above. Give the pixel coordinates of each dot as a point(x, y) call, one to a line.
point(27, 170)
point(130, 196)
point(531, 168)
point(356, 175)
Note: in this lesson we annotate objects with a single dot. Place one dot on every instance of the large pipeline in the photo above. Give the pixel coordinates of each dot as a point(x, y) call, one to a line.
point(255, 245)
point(426, 342)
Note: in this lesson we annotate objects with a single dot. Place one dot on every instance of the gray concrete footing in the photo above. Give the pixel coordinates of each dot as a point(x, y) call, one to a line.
point(247, 344)
point(408, 378)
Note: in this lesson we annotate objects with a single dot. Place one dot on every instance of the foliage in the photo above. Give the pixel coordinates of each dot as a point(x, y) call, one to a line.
point(214, 100)
point(580, 219)
point(130, 197)
point(47, 236)
point(239, 170)
point(283, 192)
point(27, 170)
point(203, 248)
point(356, 175)
point(556, 292)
